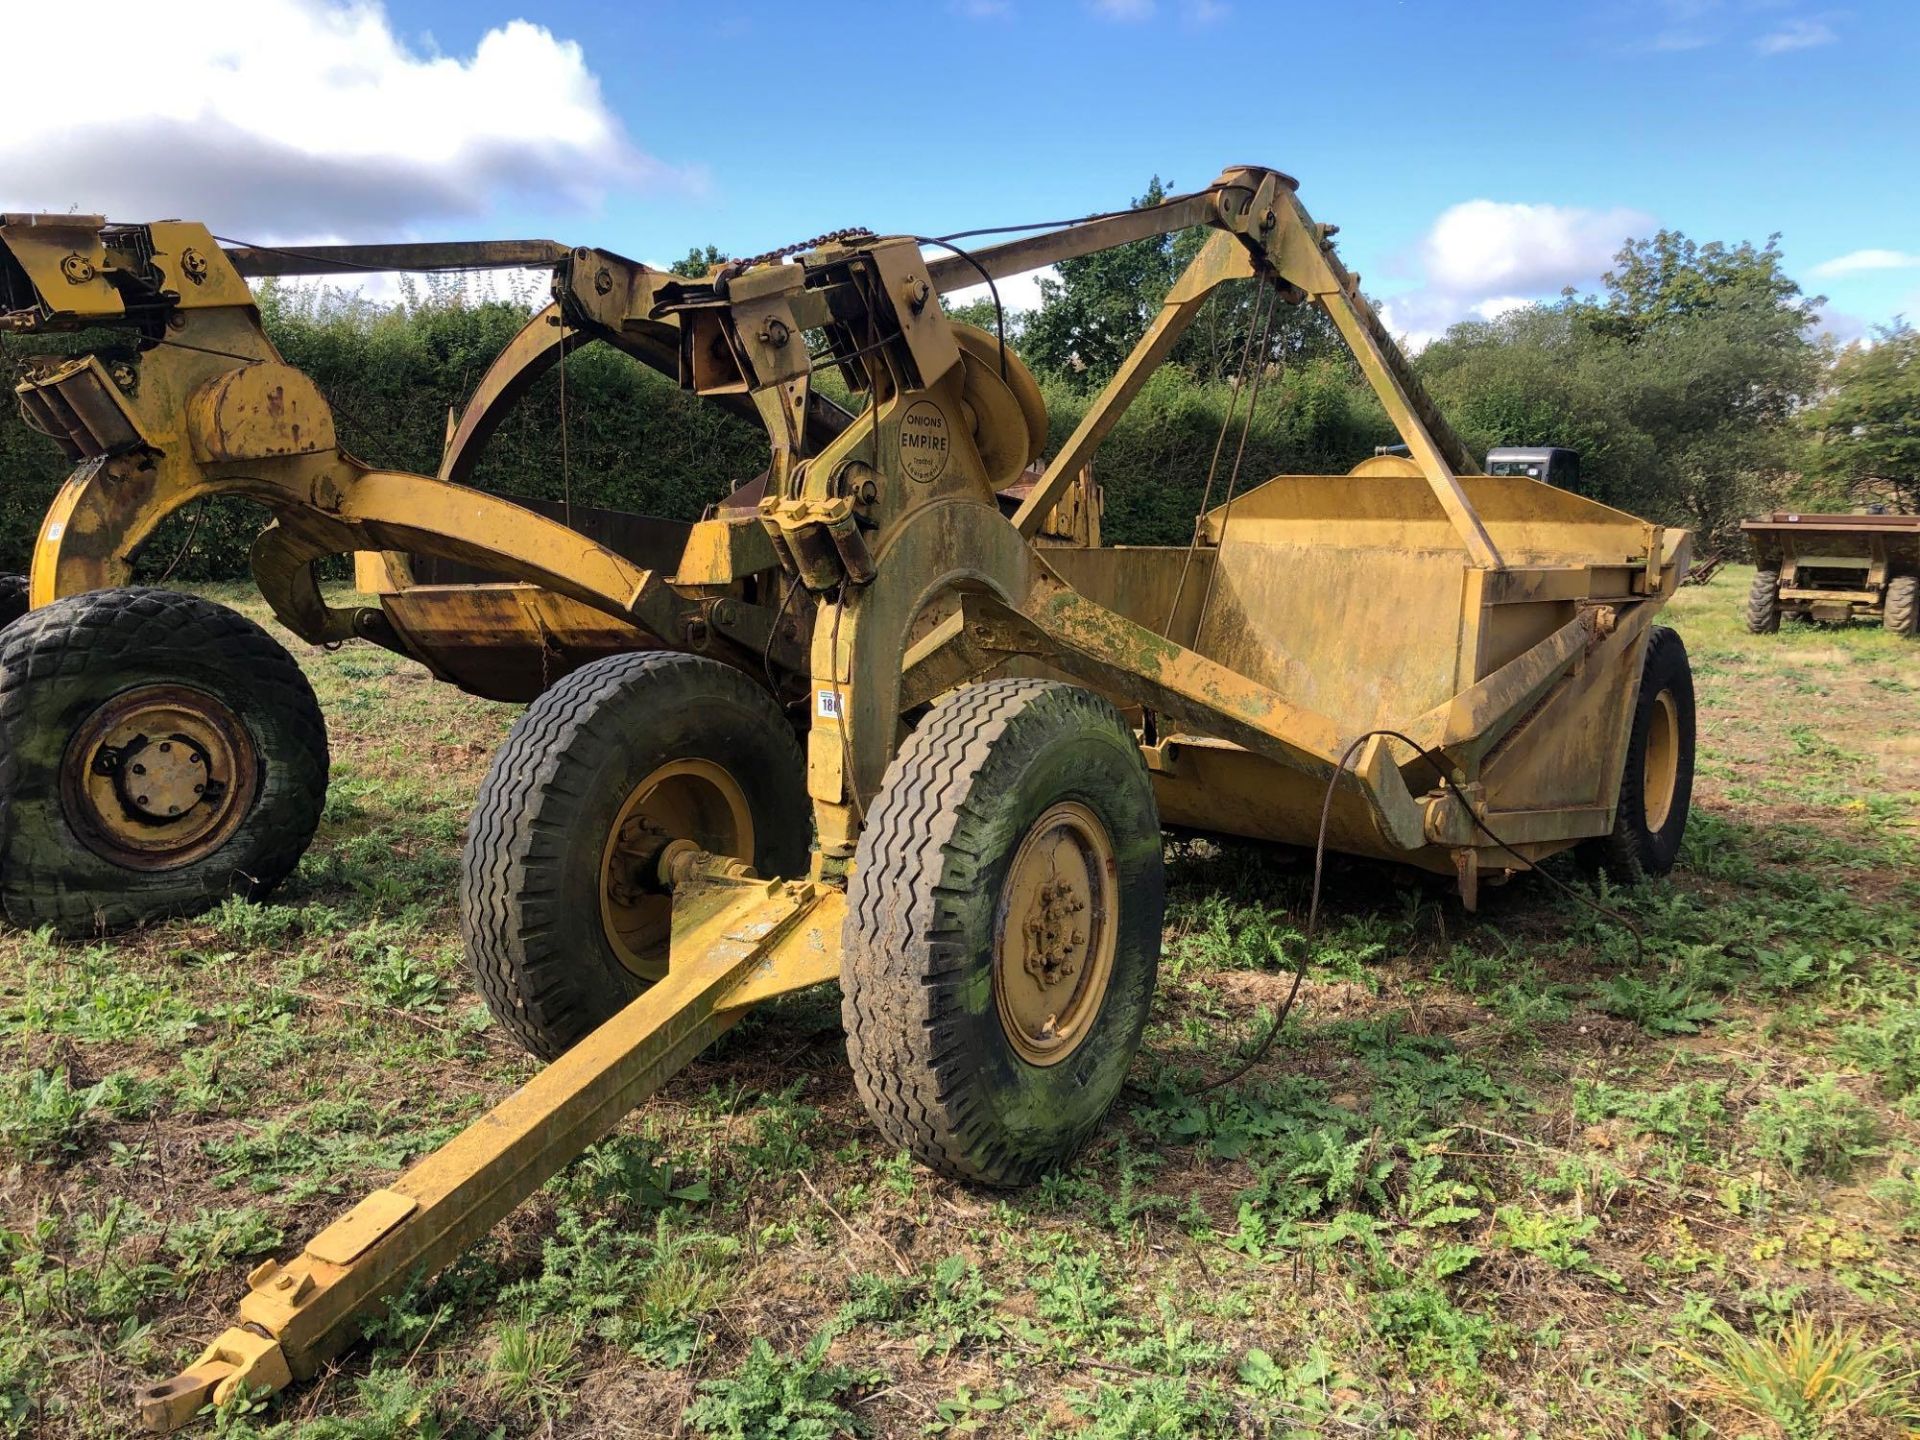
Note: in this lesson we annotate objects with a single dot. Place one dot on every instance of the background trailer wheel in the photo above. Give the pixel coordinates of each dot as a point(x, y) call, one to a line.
point(1763, 603)
point(158, 753)
point(1902, 615)
point(1656, 785)
point(564, 923)
point(1003, 930)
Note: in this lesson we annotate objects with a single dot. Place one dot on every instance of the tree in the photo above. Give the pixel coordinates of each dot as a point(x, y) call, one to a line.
point(698, 262)
point(1093, 315)
point(1866, 428)
point(1678, 384)
point(1669, 281)
point(1102, 303)
point(982, 315)
point(1711, 358)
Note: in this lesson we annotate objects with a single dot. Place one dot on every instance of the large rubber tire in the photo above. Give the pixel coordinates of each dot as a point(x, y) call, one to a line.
point(1643, 845)
point(530, 888)
point(931, 1055)
point(60, 666)
point(13, 599)
point(1763, 603)
point(1902, 615)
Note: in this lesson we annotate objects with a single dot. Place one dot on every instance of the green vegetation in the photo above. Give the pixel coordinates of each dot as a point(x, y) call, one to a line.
point(1867, 426)
point(1678, 384)
point(1495, 1178)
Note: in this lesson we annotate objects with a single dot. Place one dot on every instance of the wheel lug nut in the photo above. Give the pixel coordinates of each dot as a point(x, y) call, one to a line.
point(139, 769)
point(139, 799)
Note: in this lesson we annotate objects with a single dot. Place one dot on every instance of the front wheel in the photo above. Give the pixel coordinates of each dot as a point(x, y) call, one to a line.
point(158, 753)
point(1003, 930)
point(1656, 784)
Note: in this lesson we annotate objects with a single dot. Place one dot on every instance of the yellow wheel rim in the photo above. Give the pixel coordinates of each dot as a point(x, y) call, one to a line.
point(693, 800)
point(159, 776)
point(1055, 934)
point(1660, 774)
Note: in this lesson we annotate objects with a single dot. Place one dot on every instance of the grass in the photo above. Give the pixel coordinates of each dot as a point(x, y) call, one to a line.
point(1495, 1179)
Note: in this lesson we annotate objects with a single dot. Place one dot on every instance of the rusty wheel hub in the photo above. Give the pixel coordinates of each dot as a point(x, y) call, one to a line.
point(1054, 934)
point(159, 776)
point(693, 800)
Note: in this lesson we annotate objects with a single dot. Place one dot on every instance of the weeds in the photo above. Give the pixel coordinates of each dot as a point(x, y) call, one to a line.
point(531, 1368)
point(1804, 1377)
point(795, 1397)
point(1817, 1129)
point(44, 1118)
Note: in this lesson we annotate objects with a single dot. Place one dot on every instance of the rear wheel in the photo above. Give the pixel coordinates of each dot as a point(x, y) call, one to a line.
point(1656, 784)
point(158, 752)
point(13, 598)
point(1903, 606)
point(1763, 603)
point(1003, 930)
point(563, 921)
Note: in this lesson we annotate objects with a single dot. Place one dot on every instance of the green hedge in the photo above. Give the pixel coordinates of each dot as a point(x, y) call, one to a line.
point(635, 441)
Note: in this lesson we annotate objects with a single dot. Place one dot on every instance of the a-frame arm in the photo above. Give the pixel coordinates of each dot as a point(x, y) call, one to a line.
point(1285, 246)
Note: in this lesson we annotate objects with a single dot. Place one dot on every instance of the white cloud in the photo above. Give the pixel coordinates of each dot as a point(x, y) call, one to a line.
point(1841, 327)
point(1134, 12)
point(1484, 247)
point(1679, 25)
point(1795, 35)
point(1482, 258)
point(1856, 261)
point(1017, 292)
point(308, 119)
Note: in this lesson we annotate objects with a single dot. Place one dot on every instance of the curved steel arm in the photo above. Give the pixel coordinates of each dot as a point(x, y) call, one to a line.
point(333, 505)
point(529, 355)
point(562, 327)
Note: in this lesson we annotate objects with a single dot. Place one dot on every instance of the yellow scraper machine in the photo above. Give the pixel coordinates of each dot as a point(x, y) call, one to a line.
point(1462, 669)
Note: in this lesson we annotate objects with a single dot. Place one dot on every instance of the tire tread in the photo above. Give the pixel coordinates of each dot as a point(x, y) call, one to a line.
point(512, 882)
point(905, 960)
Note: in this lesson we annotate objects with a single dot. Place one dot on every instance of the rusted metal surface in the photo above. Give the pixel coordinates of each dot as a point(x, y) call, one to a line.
point(504, 641)
point(159, 776)
point(258, 261)
point(1055, 936)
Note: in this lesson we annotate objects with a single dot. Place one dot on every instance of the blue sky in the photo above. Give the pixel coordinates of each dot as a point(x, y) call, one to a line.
point(1474, 154)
